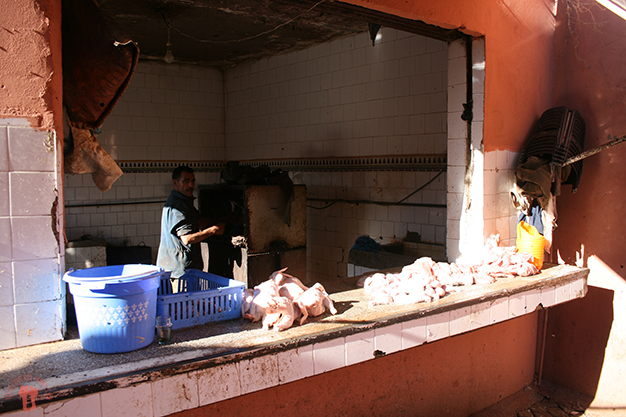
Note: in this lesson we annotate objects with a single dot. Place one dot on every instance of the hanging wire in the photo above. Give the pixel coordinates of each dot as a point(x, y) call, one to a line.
point(326, 206)
point(168, 30)
point(422, 187)
point(169, 56)
point(382, 203)
point(165, 20)
point(249, 37)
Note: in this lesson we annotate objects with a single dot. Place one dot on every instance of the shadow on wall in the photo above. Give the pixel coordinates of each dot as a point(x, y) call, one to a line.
point(576, 341)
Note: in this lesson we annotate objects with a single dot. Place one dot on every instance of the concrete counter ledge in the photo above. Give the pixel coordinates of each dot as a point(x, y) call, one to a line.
point(217, 361)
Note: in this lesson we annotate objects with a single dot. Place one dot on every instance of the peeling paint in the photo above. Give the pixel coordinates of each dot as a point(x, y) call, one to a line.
point(54, 219)
point(31, 50)
point(50, 141)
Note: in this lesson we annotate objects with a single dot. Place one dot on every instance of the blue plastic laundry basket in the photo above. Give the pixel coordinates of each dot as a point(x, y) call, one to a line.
point(115, 306)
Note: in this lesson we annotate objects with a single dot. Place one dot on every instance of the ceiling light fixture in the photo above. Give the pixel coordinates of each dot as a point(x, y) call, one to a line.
point(373, 30)
point(169, 56)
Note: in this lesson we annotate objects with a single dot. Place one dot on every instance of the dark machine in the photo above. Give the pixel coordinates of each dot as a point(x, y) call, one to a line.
point(266, 230)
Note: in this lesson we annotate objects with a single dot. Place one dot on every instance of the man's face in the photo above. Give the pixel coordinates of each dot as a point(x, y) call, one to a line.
point(185, 184)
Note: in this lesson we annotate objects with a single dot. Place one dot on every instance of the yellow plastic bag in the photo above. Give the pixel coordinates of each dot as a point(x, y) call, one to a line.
point(529, 240)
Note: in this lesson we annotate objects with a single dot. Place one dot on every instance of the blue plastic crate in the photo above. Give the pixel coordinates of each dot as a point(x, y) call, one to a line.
point(198, 298)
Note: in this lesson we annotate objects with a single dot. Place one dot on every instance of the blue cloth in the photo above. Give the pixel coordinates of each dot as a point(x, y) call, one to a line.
point(179, 218)
point(366, 243)
point(534, 219)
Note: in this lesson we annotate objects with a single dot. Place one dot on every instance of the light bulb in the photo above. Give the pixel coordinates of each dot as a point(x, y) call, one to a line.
point(169, 56)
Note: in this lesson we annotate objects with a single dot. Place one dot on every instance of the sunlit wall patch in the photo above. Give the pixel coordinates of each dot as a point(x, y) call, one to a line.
point(616, 6)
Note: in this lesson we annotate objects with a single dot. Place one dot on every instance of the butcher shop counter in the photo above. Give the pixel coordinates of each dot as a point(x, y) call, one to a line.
point(234, 353)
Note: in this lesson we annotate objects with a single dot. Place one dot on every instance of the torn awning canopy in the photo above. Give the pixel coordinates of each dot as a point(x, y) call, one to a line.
point(89, 157)
point(98, 64)
point(534, 181)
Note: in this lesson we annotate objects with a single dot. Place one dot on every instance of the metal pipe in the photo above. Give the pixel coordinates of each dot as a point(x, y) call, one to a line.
point(115, 203)
point(334, 200)
point(381, 203)
point(594, 151)
point(541, 344)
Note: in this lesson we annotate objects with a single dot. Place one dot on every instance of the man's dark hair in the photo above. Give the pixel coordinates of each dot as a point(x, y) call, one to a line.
point(179, 170)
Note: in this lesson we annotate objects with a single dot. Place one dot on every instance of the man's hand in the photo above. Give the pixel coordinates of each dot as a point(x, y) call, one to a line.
point(217, 229)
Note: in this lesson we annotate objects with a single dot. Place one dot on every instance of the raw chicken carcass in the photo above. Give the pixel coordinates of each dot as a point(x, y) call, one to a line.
point(481, 277)
point(452, 274)
point(290, 290)
point(267, 287)
point(314, 302)
point(264, 297)
point(381, 297)
point(280, 315)
point(282, 299)
point(277, 274)
point(280, 278)
point(272, 301)
point(288, 285)
point(421, 268)
point(375, 282)
point(426, 280)
point(246, 301)
point(506, 262)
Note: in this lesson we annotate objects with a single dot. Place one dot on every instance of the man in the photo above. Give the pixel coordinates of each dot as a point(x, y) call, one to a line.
point(182, 228)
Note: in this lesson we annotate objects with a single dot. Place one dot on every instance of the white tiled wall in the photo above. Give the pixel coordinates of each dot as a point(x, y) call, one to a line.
point(483, 205)
point(478, 182)
point(466, 159)
point(347, 98)
point(500, 215)
point(85, 257)
point(31, 295)
point(332, 231)
point(458, 157)
point(168, 112)
point(341, 98)
point(344, 98)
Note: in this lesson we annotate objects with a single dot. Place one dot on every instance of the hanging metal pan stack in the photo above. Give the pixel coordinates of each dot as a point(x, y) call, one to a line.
point(559, 135)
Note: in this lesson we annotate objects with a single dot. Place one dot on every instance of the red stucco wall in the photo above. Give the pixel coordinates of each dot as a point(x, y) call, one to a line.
point(591, 78)
point(30, 63)
point(519, 49)
point(451, 377)
point(586, 349)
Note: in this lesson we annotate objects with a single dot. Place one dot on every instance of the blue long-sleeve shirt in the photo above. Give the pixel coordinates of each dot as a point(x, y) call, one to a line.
point(179, 218)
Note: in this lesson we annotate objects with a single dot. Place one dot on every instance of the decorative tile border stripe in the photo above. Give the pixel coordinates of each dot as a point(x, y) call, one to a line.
point(167, 166)
point(382, 163)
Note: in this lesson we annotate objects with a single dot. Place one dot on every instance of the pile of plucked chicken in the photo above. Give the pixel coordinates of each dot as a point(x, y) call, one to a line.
point(283, 299)
point(426, 280)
